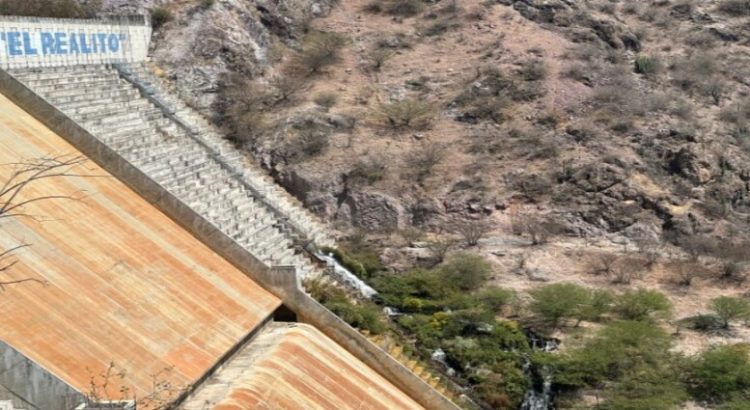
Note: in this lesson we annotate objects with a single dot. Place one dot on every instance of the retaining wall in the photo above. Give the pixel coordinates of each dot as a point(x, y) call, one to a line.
point(28, 385)
point(46, 42)
point(281, 281)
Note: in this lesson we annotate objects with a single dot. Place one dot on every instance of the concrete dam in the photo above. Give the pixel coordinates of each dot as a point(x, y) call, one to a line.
point(178, 259)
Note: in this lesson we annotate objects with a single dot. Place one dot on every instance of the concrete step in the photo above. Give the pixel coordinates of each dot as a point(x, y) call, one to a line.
point(48, 78)
point(101, 84)
point(65, 102)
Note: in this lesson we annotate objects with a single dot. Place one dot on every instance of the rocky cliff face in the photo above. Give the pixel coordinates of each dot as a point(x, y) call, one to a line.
point(608, 150)
point(206, 41)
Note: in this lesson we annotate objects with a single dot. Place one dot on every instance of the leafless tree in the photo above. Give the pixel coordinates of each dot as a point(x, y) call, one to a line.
point(472, 230)
point(733, 258)
point(685, 271)
point(114, 379)
point(625, 269)
point(440, 247)
point(7, 262)
point(538, 229)
point(27, 173)
point(286, 86)
point(423, 160)
point(602, 264)
point(13, 203)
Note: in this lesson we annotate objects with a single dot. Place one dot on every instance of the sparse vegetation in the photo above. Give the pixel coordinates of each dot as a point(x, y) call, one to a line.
point(402, 8)
point(734, 7)
point(160, 16)
point(638, 137)
point(423, 160)
point(646, 65)
point(319, 50)
point(49, 8)
point(326, 100)
point(406, 114)
point(472, 231)
point(642, 304)
point(729, 308)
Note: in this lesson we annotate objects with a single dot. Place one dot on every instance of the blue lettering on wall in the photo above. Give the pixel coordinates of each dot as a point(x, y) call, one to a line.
point(85, 49)
point(114, 43)
point(61, 43)
point(74, 44)
point(102, 38)
point(28, 47)
point(48, 43)
point(19, 43)
point(14, 43)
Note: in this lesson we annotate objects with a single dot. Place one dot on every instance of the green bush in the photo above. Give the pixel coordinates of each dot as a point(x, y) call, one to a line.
point(467, 271)
point(597, 304)
point(646, 65)
point(494, 298)
point(702, 323)
point(729, 308)
point(554, 302)
point(415, 291)
point(363, 315)
point(721, 374)
point(619, 349)
point(642, 304)
point(646, 389)
point(49, 8)
point(363, 251)
point(160, 16)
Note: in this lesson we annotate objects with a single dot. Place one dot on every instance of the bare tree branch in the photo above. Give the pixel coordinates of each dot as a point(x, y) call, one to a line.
point(30, 171)
point(12, 204)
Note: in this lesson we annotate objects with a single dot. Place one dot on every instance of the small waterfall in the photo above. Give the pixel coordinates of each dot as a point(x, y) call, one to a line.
point(539, 395)
point(344, 276)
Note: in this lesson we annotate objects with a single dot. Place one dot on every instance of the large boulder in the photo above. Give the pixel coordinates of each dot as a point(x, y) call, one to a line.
point(376, 211)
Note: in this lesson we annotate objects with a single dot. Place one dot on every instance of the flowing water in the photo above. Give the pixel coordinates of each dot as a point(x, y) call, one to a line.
point(344, 276)
point(539, 396)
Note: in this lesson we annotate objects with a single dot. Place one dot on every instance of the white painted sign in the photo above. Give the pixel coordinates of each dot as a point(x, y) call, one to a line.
point(41, 42)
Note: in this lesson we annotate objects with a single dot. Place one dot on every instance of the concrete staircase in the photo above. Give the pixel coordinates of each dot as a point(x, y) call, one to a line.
point(179, 150)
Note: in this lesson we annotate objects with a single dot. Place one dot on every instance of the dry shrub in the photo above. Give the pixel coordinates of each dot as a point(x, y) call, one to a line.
point(537, 228)
point(50, 8)
point(406, 114)
point(326, 100)
point(400, 8)
point(320, 50)
point(736, 8)
point(691, 72)
point(626, 269)
point(422, 160)
point(377, 57)
point(367, 171)
point(472, 231)
point(311, 139)
point(685, 271)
